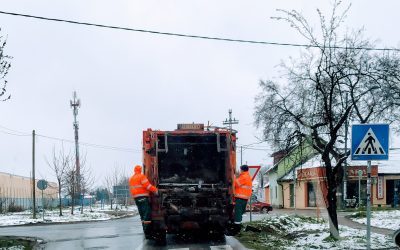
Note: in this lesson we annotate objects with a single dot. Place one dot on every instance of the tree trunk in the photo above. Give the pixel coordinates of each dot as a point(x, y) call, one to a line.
point(82, 201)
point(331, 206)
point(72, 201)
point(59, 198)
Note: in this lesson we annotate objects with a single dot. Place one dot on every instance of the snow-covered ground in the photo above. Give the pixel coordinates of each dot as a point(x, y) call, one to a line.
point(293, 232)
point(96, 213)
point(384, 219)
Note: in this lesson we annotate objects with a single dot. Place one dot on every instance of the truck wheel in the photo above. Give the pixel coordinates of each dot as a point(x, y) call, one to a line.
point(264, 210)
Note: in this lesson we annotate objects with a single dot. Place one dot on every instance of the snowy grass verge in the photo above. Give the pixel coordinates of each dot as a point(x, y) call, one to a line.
point(52, 216)
point(19, 243)
point(296, 232)
point(389, 219)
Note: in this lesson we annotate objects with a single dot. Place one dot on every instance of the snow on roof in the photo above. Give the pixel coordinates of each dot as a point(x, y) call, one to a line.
point(313, 162)
point(391, 166)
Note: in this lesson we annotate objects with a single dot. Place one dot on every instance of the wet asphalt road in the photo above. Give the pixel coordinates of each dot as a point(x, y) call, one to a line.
point(113, 234)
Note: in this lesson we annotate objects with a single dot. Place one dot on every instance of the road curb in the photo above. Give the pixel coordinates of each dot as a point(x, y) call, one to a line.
point(72, 222)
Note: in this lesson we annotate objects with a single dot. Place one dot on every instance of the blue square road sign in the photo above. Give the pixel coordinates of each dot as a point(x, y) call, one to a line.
point(369, 142)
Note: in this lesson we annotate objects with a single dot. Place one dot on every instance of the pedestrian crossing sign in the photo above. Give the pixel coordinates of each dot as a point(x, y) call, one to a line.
point(369, 142)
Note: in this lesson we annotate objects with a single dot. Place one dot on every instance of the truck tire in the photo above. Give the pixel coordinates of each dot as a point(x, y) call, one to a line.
point(264, 210)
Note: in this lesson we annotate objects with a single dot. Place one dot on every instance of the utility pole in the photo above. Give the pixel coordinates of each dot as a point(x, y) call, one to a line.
point(75, 104)
point(229, 121)
point(241, 155)
point(33, 176)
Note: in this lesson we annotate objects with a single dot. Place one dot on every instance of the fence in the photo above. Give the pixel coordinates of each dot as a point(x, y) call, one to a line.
point(12, 204)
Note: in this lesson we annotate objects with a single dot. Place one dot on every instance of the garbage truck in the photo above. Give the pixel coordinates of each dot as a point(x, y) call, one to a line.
point(193, 168)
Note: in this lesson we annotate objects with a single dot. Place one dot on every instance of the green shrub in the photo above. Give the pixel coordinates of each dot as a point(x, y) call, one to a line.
point(14, 208)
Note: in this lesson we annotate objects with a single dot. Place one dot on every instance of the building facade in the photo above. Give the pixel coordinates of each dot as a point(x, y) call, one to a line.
point(17, 191)
point(284, 164)
point(304, 187)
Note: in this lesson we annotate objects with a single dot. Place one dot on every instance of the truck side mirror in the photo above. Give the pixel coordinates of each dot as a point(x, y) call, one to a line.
point(396, 238)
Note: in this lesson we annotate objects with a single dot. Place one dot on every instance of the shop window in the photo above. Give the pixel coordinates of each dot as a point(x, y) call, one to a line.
point(291, 187)
point(392, 192)
point(311, 195)
point(357, 190)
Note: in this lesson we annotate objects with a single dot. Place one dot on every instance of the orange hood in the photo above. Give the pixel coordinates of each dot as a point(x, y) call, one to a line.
point(138, 169)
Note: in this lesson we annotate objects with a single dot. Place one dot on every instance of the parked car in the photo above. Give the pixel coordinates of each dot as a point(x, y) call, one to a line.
point(259, 206)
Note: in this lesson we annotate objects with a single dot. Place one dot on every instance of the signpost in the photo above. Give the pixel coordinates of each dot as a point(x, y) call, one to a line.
point(360, 174)
point(369, 142)
point(253, 171)
point(42, 185)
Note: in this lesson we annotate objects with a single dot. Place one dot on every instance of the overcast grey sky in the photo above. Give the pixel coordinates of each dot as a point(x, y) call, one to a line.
point(131, 81)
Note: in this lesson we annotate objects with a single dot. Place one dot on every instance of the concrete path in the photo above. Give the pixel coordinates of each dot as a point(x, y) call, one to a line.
point(341, 219)
point(348, 222)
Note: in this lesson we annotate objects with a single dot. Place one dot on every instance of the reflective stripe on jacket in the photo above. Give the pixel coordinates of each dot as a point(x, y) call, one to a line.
point(243, 186)
point(140, 185)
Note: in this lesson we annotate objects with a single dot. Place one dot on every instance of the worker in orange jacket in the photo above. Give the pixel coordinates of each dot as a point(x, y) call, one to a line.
point(140, 190)
point(243, 190)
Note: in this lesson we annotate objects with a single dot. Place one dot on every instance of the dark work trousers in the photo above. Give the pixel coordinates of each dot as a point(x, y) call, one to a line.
point(143, 206)
point(240, 209)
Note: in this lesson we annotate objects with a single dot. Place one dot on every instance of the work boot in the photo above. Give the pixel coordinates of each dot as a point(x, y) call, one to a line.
point(233, 229)
point(238, 228)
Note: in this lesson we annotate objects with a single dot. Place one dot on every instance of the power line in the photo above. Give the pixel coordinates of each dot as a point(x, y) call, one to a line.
point(15, 131)
point(123, 149)
point(250, 144)
point(191, 36)
point(257, 149)
point(132, 150)
point(9, 133)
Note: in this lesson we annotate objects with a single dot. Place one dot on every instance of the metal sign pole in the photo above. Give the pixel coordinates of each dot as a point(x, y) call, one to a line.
point(43, 204)
point(369, 205)
point(251, 209)
point(360, 174)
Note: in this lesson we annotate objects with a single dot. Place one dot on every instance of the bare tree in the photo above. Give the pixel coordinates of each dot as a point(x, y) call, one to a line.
point(70, 184)
point(87, 180)
point(59, 164)
point(4, 67)
point(338, 78)
point(112, 179)
point(124, 182)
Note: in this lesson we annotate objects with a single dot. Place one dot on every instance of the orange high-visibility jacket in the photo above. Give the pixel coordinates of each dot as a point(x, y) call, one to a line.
point(139, 184)
point(243, 186)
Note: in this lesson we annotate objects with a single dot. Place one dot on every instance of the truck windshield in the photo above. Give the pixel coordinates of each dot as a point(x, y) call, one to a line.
point(192, 159)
